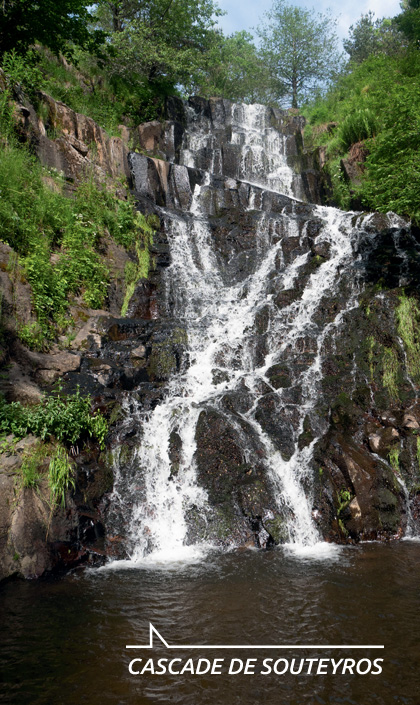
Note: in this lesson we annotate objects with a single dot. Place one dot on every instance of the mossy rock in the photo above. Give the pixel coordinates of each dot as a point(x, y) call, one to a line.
point(344, 412)
point(279, 376)
point(126, 454)
point(162, 362)
point(277, 528)
point(165, 354)
point(315, 262)
point(307, 435)
point(386, 500)
point(116, 414)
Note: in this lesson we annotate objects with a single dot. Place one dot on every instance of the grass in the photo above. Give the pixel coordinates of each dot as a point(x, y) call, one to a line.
point(60, 476)
point(377, 103)
point(60, 473)
point(408, 318)
point(394, 458)
point(32, 459)
point(390, 367)
point(361, 124)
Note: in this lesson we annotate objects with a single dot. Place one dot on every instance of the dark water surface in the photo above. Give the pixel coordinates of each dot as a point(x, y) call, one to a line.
point(63, 641)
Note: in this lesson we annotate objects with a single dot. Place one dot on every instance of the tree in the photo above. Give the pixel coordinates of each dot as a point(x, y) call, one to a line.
point(54, 23)
point(160, 41)
point(409, 20)
point(300, 49)
point(369, 36)
point(234, 70)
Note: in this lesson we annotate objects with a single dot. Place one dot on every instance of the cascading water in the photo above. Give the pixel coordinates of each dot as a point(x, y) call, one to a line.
point(220, 300)
point(262, 150)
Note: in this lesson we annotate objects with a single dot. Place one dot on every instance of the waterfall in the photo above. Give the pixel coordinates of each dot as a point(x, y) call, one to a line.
point(262, 150)
point(256, 319)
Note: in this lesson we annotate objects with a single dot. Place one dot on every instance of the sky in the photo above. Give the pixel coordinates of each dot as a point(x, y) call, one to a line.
point(246, 14)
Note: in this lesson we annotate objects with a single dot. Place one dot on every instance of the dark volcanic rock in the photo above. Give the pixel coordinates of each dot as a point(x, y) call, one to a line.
point(271, 416)
point(240, 494)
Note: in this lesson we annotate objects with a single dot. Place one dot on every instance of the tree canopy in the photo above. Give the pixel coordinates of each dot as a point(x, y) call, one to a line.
point(372, 36)
point(234, 69)
point(161, 40)
point(409, 20)
point(300, 49)
point(54, 23)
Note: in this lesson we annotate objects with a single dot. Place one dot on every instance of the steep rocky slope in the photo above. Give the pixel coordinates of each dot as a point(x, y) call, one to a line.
point(356, 432)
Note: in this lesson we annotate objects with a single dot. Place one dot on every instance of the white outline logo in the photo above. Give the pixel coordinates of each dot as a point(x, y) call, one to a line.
point(154, 632)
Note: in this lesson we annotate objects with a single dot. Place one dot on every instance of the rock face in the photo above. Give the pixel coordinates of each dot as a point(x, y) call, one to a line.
point(67, 141)
point(262, 387)
point(31, 535)
point(198, 135)
point(290, 399)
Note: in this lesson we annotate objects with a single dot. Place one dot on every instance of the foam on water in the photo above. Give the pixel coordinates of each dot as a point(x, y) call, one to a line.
point(165, 559)
point(319, 551)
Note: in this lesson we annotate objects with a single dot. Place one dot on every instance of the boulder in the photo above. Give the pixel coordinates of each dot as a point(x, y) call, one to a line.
point(240, 495)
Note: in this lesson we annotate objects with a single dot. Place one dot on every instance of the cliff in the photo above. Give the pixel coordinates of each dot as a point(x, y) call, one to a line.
point(322, 376)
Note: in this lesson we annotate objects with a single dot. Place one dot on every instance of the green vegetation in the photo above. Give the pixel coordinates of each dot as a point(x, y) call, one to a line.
point(390, 366)
point(57, 240)
point(370, 36)
point(344, 497)
point(30, 475)
point(66, 418)
point(110, 100)
point(59, 25)
point(300, 49)
point(394, 458)
point(157, 43)
point(371, 116)
point(390, 361)
point(408, 22)
point(127, 56)
point(236, 70)
point(134, 272)
point(408, 318)
point(60, 476)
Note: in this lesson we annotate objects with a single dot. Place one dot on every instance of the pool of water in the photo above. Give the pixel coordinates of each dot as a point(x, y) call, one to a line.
point(63, 641)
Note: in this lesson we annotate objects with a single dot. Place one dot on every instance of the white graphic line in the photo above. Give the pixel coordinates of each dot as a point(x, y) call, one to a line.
point(179, 647)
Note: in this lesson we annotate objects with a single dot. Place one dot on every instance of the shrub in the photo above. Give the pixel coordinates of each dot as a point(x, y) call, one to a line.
point(39, 222)
point(23, 69)
point(357, 126)
point(378, 102)
point(67, 418)
point(30, 477)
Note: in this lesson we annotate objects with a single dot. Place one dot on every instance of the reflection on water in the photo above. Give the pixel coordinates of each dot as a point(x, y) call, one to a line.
point(63, 642)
